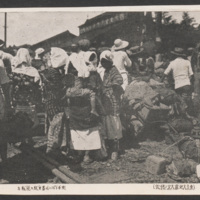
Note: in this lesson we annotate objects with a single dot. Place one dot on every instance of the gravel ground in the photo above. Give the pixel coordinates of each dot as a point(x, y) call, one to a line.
point(129, 168)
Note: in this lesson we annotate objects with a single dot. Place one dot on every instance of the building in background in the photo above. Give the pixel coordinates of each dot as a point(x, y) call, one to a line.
point(105, 28)
point(112, 25)
point(62, 40)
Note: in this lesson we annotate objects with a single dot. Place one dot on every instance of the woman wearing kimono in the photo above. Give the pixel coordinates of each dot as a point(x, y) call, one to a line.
point(112, 91)
point(54, 106)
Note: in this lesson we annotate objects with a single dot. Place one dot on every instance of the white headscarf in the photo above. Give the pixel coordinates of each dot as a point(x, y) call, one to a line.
point(59, 58)
point(78, 61)
point(106, 55)
point(22, 64)
point(22, 56)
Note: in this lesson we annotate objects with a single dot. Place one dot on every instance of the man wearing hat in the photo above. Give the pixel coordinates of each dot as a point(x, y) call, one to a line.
point(134, 53)
point(121, 59)
point(182, 73)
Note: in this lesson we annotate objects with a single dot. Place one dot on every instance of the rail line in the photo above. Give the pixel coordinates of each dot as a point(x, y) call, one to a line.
point(62, 172)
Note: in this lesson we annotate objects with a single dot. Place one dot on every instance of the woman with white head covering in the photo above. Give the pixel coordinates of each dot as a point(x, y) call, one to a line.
point(57, 134)
point(22, 64)
point(26, 88)
point(77, 64)
point(112, 90)
point(84, 119)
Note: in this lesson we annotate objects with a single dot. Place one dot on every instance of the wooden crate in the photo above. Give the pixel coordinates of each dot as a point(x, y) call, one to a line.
point(154, 113)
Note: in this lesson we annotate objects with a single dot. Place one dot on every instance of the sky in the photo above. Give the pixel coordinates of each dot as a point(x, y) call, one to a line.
point(33, 27)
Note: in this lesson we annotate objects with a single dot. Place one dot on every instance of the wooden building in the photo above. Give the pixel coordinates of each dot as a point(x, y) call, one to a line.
point(62, 40)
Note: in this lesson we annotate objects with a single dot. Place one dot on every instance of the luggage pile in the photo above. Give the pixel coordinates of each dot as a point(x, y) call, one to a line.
point(143, 105)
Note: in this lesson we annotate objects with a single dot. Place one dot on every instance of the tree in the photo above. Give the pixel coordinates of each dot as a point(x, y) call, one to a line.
point(187, 22)
point(167, 19)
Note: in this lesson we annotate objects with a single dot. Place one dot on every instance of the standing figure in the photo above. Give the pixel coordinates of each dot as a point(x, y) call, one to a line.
point(26, 83)
point(121, 59)
point(57, 131)
point(182, 73)
point(135, 53)
point(112, 90)
point(5, 106)
point(83, 117)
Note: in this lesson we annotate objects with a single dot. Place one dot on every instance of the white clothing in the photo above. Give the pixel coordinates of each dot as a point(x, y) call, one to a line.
point(78, 61)
point(22, 56)
point(59, 58)
point(120, 60)
point(5, 56)
point(88, 139)
point(101, 71)
point(182, 71)
point(124, 75)
point(28, 70)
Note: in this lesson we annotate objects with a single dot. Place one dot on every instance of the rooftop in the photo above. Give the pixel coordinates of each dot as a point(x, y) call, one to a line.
point(101, 16)
point(67, 33)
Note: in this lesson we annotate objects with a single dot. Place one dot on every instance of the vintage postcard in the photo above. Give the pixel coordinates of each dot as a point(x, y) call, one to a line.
point(100, 100)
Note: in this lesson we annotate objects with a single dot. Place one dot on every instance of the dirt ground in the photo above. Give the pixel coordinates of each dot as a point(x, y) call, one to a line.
point(129, 168)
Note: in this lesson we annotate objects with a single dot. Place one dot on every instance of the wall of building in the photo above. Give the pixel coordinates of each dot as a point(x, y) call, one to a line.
point(126, 25)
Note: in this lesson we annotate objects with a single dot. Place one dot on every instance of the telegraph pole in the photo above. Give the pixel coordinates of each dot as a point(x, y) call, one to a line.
point(5, 30)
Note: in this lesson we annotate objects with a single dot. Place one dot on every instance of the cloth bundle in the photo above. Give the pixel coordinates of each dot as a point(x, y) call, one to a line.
point(167, 96)
point(138, 91)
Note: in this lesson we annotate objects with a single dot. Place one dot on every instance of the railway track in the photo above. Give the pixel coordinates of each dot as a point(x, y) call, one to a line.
point(62, 172)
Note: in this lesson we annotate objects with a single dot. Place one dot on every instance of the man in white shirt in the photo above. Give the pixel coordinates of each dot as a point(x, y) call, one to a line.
point(182, 73)
point(182, 70)
point(121, 59)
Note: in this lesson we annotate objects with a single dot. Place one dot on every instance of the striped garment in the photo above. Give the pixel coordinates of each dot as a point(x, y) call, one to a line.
point(112, 90)
point(53, 92)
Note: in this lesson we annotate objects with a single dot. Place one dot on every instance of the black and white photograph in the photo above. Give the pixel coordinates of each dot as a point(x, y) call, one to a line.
point(100, 96)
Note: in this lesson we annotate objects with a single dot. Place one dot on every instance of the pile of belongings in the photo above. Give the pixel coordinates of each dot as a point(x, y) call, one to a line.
point(25, 90)
point(167, 95)
point(142, 105)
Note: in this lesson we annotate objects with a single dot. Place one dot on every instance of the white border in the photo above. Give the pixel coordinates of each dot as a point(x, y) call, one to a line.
point(101, 189)
point(173, 8)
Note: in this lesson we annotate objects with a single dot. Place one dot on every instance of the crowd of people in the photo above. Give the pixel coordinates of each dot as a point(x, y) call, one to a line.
point(82, 90)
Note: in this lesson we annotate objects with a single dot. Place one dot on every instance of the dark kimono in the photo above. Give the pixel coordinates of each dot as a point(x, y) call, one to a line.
point(112, 91)
point(57, 132)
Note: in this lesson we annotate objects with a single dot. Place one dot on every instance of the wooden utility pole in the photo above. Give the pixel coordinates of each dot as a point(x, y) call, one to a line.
point(5, 30)
point(158, 25)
